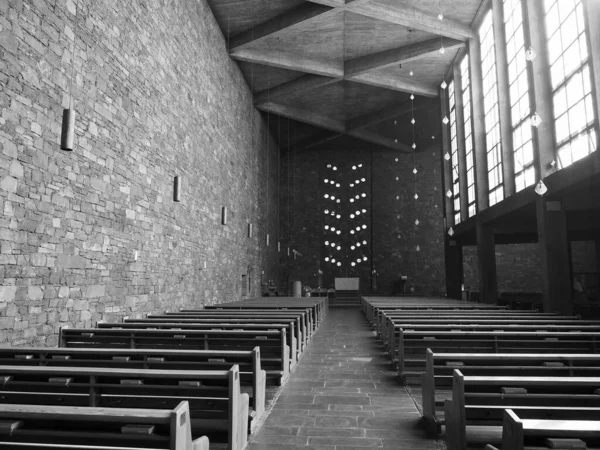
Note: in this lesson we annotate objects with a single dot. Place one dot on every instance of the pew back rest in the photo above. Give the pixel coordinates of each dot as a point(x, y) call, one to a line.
point(172, 426)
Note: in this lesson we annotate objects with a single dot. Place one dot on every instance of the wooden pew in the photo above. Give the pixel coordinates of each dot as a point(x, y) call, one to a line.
point(248, 361)
point(295, 347)
point(317, 305)
point(475, 399)
point(274, 350)
point(385, 319)
point(465, 322)
point(85, 428)
point(216, 403)
point(294, 320)
point(440, 367)
point(304, 316)
point(412, 345)
point(537, 430)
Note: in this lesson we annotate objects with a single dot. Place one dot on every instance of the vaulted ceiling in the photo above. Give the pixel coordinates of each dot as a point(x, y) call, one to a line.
point(330, 69)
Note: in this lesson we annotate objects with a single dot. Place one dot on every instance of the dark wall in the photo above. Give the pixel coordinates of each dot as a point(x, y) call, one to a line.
point(156, 96)
point(391, 233)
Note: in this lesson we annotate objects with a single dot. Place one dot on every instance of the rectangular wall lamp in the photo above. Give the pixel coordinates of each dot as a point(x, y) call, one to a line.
point(177, 189)
point(268, 239)
point(249, 230)
point(224, 215)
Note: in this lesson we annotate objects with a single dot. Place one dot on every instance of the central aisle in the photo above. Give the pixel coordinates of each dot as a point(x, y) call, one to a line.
point(343, 395)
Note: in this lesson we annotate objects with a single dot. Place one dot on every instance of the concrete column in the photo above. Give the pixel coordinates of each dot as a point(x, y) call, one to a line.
point(554, 255)
point(542, 86)
point(460, 136)
point(454, 268)
point(592, 13)
point(506, 133)
point(481, 166)
point(598, 255)
point(446, 165)
point(486, 252)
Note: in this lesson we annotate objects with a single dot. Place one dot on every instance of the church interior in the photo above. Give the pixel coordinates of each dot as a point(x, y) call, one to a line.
point(300, 224)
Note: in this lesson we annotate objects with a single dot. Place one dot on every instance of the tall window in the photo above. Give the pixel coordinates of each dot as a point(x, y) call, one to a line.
point(571, 80)
point(466, 95)
point(492, 113)
point(454, 151)
point(519, 94)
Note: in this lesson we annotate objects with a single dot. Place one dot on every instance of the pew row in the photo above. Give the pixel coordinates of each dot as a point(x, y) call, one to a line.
point(478, 402)
point(274, 351)
point(578, 431)
point(440, 368)
point(295, 321)
point(295, 348)
point(248, 362)
point(218, 409)
point(412, 345)
point(86, 428)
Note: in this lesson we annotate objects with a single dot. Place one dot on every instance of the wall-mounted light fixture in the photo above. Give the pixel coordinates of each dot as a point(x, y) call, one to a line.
point(224, 215)
point(268, 239)
point(278, 246)
point(177, 189)
point(250, 230)
point(67, 137)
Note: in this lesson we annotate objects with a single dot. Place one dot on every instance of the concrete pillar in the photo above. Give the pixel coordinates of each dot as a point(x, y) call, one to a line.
point(542, 86)
point(481, 166)
point(554, 249)
point(460, 136)
point(592, 13)
point(454, 268)
point(446, 165)
point(486, 252)
point(506, 132)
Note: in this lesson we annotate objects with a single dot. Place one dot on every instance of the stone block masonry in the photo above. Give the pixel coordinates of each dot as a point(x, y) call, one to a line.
point(156, 96)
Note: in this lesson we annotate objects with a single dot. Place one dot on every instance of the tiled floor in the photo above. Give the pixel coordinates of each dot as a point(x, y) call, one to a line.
point(343, 395)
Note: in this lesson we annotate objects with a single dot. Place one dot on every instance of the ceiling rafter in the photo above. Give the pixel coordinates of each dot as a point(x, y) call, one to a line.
point(412, 18)
point(391, 112)
point(304, 84)
point(320, 138)
point(399, 55)
point(337, 126)
point(295, 16)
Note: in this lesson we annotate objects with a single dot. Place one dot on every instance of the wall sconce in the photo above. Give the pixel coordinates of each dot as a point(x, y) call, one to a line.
point(203, 265)
point(224, 215)
point(279, 246)
point(177, 189)
point(67, 137)
point(268, 239)
point(250, 230)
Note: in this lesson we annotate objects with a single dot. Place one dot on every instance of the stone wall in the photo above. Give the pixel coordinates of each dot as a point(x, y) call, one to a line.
point(392, 246)
point(156, 96)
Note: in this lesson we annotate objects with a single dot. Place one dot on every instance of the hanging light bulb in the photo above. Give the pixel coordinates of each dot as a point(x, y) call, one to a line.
point(397, 178)
point(535, 120)
point(326, 181)
point(412, 96)
point(353, 264)
point(338, 248)
point(364, 211)
point(418, 248)
point(360, 165)
point(530, 54)
point(339, 264)
point(353, 248)
point(352, 216)
point(413, 121)
point(417, 222)
point(444, 85)
point(351, 231)
point(445, 120)
point(541, 189)
point(440, 16)
point(338, 232)
point(414, 146)
point(442, 50)
point(364, 242)
point(329, 166)
point(411, 73)
point(447, 156)
point(397, 197)
point(451, 231)
point(326, 227)
point(326, 211)
point(416, 196)
point(326, 242)
point(415, 171)
point(327, 259)
point(338, 217)
point(396, 159)
point(449, 193)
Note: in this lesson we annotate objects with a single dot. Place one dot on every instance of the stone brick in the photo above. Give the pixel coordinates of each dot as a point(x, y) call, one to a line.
point(94, 291)
point(71, 262)
point(35, 293)
point(7, 293)
point(9, 184)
